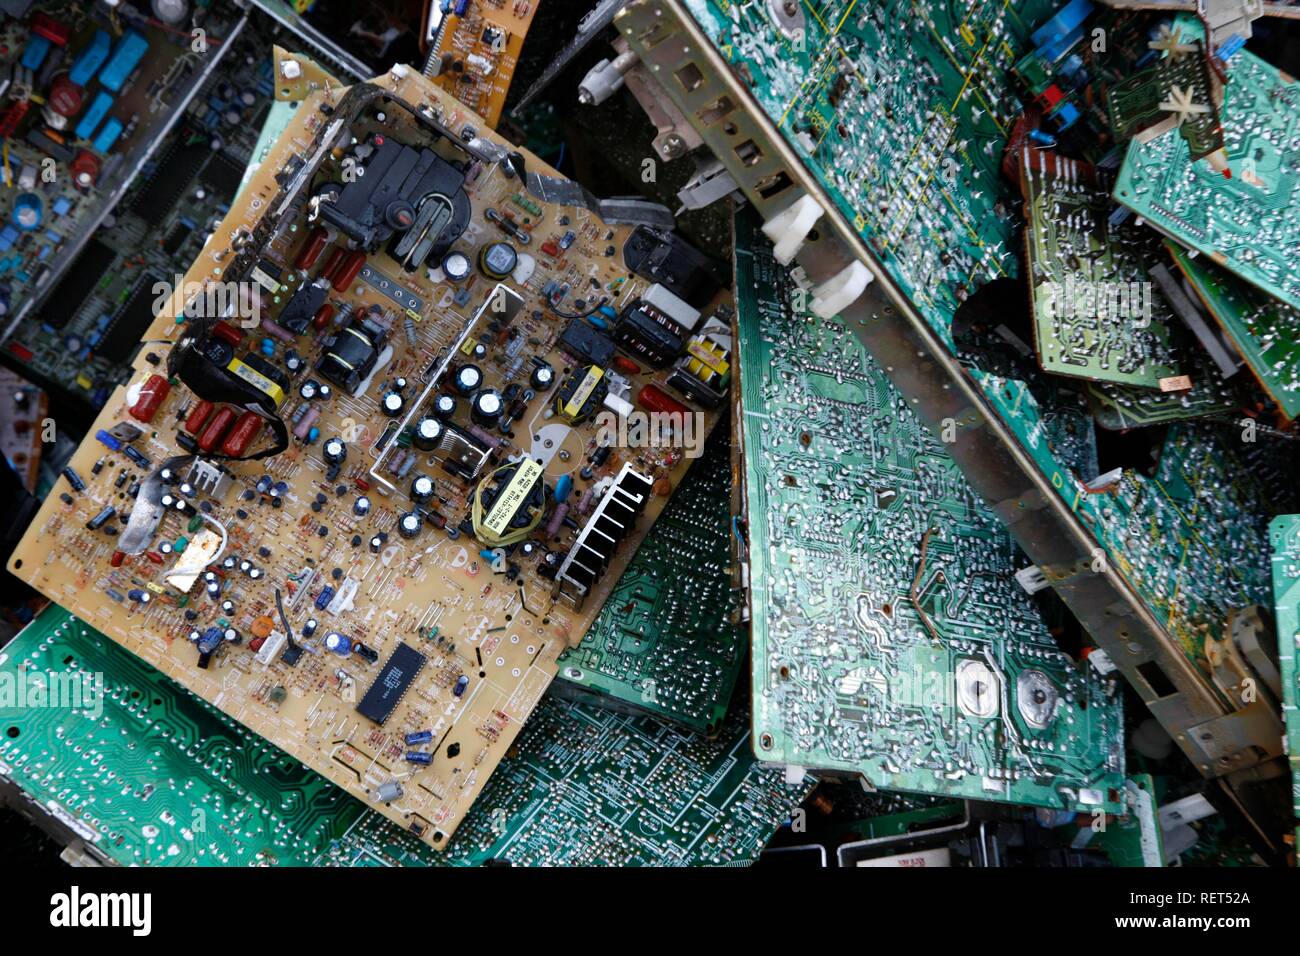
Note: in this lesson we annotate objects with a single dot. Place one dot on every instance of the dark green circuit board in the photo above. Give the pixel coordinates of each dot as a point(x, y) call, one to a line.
point(1097, 315)
point(1246, 219)
point(889, 637)
point(150, 774)
point(1179, 77)
point(665, 642)
point(1284, 534)
point(1266, 332)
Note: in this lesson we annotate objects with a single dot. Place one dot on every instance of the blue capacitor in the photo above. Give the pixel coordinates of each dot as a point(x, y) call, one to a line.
point(138, 595)
point(462, 682)
point(415, 756)
point(313, 434)
point(563, 487)
point(99, 108)
point(126, 57)
point(107, 136)
point(419, 737)
point(336, 642)
point(28, 212)
point(91, 58)
point(268, 348)
point(323, 599)
point(34, 52)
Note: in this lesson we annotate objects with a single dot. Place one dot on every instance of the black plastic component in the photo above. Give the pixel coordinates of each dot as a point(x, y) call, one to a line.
point(391, 684)
point(583, 340)
point(674, 263)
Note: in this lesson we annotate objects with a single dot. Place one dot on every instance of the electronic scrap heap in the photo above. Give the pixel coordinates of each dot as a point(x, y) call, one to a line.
point(354, 494)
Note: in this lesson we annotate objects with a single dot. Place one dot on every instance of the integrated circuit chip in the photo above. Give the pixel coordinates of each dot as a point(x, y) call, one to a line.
point(391, 684)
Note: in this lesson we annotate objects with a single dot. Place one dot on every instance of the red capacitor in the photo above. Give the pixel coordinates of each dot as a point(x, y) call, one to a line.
point(656, 399)
point(65, 97)
point(333, 263)
point(56, 31)
point(85, 169)
point(229, 333)
point(311, 249)
point(198, 415)
point(323, 316)
point(153, 392)
point(154, 557)
point(349, 271)
point(626, 365)
point(117, 559)
point(242, 435)
point(216, 427)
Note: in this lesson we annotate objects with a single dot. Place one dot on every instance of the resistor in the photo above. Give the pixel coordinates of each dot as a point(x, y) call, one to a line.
point(408, 325)
point(305, 423)
point(556, 521)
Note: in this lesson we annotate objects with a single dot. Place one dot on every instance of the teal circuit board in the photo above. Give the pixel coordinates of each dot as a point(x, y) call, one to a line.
point(1247, 218)
point(889, 637)
point(1284, 533)
point(665, 643)
point(1266, 332)
point(928, 84)
point(150, 774)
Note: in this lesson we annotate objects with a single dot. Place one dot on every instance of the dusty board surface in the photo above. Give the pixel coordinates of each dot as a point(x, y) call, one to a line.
point(462, 622)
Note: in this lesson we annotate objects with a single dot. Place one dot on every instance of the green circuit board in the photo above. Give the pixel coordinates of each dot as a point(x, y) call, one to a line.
point(1266, 332)
point(665, 643)
point(1097, 315)
point(1188, 537)
point(153, 775)
point(1247, 220)
point(1284, 534)
point(928, 85)
point(889, 636)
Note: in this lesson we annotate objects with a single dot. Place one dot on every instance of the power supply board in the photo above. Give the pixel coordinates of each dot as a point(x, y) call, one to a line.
point(1247, 217)
point(86, 330)
point(148, 774)
point(666, 642)
point(1265, 332)
point(890, 636)
point(1284, 536)
point(365, 517)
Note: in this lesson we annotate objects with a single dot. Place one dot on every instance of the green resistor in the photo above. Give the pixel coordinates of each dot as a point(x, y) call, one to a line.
point(526, 204)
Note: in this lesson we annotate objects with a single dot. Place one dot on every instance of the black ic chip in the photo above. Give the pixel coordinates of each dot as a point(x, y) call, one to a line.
point(391, 684)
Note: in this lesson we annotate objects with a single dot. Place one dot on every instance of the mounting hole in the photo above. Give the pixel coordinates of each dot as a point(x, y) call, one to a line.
point(12, 732)
point(765, 741)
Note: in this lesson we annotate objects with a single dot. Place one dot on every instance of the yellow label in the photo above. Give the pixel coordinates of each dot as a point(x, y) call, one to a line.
point(256, 378)
point(468, 345)
point(508, 501)
point(573, 407)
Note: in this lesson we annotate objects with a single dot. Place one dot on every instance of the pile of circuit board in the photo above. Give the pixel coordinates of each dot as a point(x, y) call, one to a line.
point(442, 513)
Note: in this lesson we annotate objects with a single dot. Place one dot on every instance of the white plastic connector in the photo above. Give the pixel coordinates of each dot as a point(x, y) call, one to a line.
point(841, 290)
point(789, 228)
point(1031, 579)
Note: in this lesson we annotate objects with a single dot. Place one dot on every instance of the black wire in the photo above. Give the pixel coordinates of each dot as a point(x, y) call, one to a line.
point(576, 315)
point(284, 619)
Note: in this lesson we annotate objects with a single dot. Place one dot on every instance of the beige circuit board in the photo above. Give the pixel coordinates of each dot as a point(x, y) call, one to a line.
point(488, 639)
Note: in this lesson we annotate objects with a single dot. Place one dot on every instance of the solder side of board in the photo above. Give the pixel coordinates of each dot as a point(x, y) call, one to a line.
point(1284, 535)
point(1266, 332)
point(149, 774)
point(665, 642)
point(928, 86)
point(1246, 219)
point(890, 638)
point(1096, 314)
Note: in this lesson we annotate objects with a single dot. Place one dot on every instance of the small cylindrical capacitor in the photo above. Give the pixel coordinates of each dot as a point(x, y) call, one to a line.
point(422, 489)
point(455, 266)
point(487, 407)
point(428, 432)
point(409, 524)
point(336, 643)
point(361, 507)
point(444, 406)
point(543, 377)
point(392, 403)
point(468, 379)
point(334, 451)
